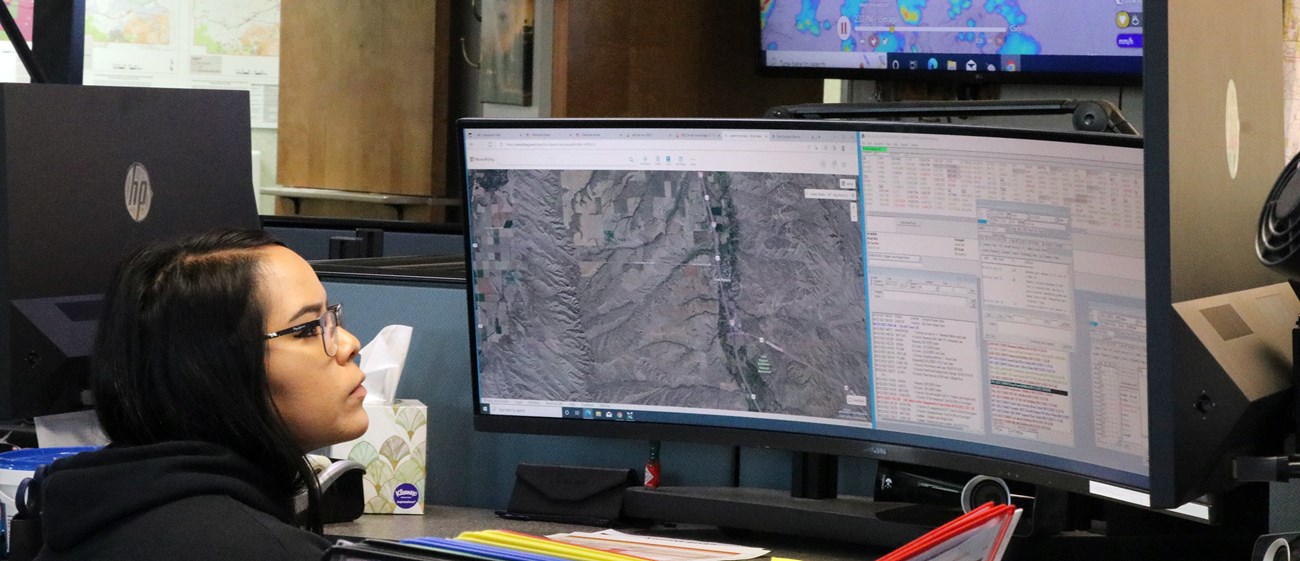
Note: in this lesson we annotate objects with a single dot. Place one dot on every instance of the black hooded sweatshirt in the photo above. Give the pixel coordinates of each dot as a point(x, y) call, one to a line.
point(174, 500)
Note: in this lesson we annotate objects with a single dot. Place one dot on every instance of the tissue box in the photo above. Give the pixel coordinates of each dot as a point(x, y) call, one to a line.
point(393, 452)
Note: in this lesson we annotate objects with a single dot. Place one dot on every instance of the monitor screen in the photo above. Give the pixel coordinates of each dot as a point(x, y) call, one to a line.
point(964, 297)
point(1044, 41)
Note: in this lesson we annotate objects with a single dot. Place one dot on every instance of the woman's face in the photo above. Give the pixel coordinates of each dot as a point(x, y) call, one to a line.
point(318, 396)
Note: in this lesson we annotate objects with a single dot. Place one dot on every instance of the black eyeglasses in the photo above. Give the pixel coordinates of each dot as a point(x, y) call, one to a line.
point(328, 325)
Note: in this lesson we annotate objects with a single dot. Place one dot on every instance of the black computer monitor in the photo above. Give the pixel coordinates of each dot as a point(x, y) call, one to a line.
point(996, 41)
point(1214, 125)
point(962, 298)
point(89, 172)
point(968, 298)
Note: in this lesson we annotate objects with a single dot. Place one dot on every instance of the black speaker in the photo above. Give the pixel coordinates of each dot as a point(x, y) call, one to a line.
point(373, 239)
point(984, 489)
point(1276, 547)
point(347, 247)
point(1044, 507)
point(1277, 242)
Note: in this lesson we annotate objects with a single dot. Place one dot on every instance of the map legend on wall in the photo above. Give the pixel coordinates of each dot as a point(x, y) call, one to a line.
point(210, 44)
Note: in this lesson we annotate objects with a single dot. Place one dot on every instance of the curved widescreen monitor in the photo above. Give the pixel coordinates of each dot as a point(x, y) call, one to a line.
point(968, 298)
point(1042, 41)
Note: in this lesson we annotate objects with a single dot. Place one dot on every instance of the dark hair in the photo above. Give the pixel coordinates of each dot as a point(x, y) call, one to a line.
point(180, 355)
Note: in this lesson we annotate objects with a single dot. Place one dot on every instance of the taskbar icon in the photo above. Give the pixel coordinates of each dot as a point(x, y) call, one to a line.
point(595, 413)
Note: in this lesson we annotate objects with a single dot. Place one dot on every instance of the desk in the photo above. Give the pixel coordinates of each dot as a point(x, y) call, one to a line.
point(447, 521)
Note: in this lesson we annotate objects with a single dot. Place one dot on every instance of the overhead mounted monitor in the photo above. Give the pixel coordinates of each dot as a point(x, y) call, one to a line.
point(1037, 41)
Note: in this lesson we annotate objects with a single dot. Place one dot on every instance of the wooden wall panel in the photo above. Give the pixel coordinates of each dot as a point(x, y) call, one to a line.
point(668, 58)
point(363, 95)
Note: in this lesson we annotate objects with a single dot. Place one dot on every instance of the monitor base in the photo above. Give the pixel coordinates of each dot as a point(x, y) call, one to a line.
point(1133, 533)
point(845, 519)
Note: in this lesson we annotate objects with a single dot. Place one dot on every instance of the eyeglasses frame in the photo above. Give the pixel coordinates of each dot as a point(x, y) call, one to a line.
point(336, 309)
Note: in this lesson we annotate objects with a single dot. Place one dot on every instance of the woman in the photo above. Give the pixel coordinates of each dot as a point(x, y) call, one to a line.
point(218, 364)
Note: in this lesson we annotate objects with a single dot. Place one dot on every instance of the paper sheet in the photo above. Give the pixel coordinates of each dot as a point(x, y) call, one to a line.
point(1290, 86)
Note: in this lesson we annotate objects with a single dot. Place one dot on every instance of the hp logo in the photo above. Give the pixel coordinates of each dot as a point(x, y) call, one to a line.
point(139, 195)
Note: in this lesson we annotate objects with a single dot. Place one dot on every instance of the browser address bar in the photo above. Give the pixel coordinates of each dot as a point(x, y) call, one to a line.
point(542, 144)
point(747, 143)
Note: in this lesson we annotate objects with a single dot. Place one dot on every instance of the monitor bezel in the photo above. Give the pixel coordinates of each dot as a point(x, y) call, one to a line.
point(955, 78)
point(759, 438)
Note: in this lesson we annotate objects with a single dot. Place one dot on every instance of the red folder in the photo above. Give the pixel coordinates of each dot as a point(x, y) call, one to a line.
point(979, 535)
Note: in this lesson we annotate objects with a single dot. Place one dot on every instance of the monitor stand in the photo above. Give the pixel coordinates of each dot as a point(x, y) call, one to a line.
point(806, 510)
point(1126, 533)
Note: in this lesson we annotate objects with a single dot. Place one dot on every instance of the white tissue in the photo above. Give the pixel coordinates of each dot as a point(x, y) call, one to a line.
point(382, 360)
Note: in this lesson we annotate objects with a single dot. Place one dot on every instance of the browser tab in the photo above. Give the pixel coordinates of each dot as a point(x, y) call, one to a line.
point(747, 135)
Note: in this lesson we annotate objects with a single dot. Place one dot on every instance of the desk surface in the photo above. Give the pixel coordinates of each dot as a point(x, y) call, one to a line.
point(447, 521)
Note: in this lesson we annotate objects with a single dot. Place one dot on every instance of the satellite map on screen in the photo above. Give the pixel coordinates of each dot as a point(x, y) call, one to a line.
point(674, 288)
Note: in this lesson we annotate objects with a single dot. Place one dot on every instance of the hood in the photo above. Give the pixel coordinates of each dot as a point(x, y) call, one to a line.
point(84, 494)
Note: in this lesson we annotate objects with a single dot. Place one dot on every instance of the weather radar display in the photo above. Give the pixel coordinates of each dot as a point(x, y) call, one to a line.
point(995, 35)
